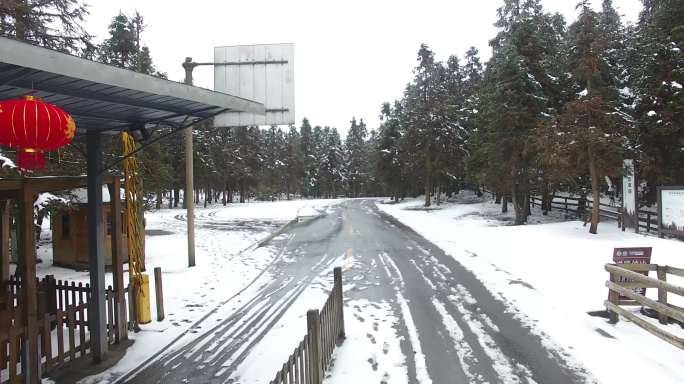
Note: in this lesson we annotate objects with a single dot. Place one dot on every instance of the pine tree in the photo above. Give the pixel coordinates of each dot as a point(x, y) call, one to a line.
point(308, 147)
point(513, 100)
point(389, 163)
point(294, 162)
point(427, 122)
point(54, 24)
point(593, 130)
point(357, 162)
point(124, 49)
point(658, 75)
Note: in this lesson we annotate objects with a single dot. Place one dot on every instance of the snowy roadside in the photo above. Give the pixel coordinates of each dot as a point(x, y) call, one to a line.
point(371, 330)
point(550, 275)
point(227, 261)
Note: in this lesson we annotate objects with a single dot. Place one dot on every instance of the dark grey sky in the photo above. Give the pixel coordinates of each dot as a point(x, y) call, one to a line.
point(350, 56)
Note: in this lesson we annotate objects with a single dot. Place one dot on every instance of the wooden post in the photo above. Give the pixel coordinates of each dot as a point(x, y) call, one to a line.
point(27, 252)
point(337, 272)
point(4, 241)
point(117, 261)
point(313, 323)
point(614, 298)
point(662, 293)
point(159, 294)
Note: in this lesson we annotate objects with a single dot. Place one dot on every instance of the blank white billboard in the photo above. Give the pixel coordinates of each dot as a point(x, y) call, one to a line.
point(263, 73)
point(672, 210)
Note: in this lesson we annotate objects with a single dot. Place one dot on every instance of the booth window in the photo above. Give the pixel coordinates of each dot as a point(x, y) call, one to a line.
point(66, 226)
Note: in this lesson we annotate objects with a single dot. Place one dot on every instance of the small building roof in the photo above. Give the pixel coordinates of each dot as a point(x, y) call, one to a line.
point(102, 97)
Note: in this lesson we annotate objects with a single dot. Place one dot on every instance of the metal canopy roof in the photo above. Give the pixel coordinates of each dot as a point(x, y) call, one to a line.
point(103, 97)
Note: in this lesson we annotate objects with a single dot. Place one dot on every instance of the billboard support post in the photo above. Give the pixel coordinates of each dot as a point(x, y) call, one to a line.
point(267, 77)
point(189, 196)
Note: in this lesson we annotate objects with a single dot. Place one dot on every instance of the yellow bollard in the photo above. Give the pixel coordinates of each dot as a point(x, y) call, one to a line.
point(143, 300)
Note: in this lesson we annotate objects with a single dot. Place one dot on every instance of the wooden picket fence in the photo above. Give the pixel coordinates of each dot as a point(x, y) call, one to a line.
point(622, 284)
point(63, 328)
point(310, 359)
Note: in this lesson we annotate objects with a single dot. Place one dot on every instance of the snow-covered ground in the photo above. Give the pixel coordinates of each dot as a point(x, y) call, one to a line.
point(551, 274)
point(226, 257)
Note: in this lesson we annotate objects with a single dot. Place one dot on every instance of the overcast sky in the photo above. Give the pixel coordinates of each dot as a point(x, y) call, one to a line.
point(350, 56)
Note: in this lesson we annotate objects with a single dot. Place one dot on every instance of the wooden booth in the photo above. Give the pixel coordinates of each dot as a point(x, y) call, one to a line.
point(70, 232)
point(62, 310)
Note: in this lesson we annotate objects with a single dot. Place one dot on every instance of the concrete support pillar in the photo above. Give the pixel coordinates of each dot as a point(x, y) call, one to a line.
point(97, 314)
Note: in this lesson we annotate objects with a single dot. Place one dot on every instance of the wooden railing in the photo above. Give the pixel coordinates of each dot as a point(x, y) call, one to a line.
point(63, 328)
point(308, 362)
point(622, 285)
point(647, 220)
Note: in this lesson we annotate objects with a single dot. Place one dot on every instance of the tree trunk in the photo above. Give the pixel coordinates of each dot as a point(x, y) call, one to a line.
point(504, 203)
point(593, 172)
point(158, 203)
point(176, 197)
point(20, 22)
point(39, 223)
point(546, 198)
point(428, 180)
point(518, 195)
point(497, 198)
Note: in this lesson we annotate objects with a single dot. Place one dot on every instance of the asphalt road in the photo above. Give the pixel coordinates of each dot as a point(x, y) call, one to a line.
point(429, 291)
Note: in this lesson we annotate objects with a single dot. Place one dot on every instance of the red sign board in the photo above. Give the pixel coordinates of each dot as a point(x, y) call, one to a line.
point(640, 255)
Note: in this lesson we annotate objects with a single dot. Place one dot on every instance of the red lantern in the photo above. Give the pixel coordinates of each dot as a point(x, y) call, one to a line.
point(33, 127)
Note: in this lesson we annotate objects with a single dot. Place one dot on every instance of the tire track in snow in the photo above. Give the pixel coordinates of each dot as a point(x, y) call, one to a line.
point(476, 324)
point(422, 374)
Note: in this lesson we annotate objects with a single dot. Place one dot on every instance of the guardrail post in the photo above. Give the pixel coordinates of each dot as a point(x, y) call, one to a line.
point(340, 300)
point(159, 295)
point(614, 298)
point(662, 294)
point(313, 324)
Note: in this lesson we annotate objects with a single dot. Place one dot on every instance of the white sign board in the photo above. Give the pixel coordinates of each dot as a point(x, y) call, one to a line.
point(628, 187)
point(672, 210)
point(263, 73)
